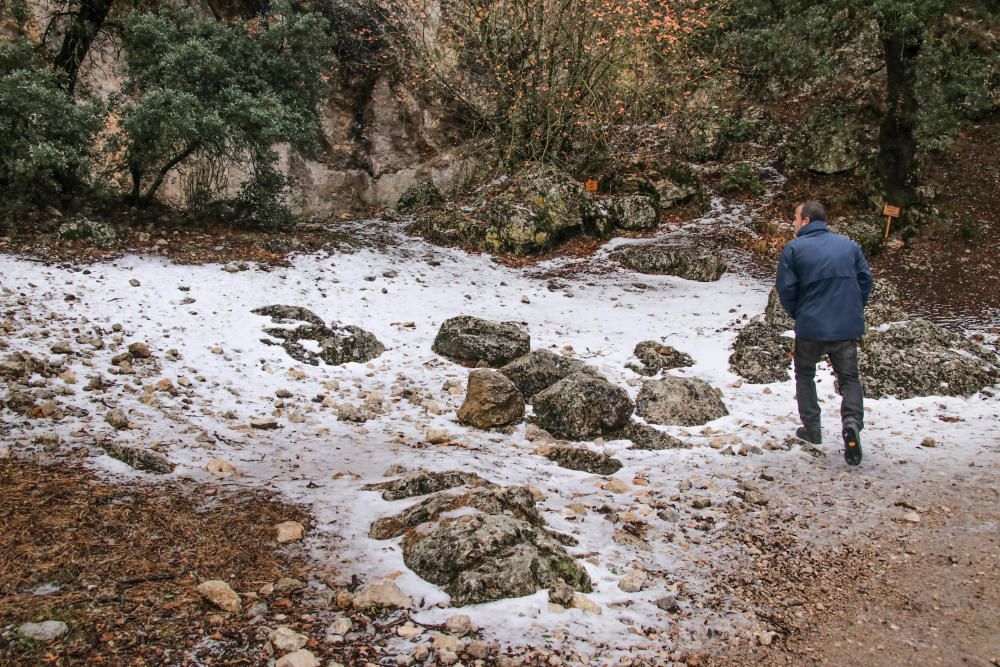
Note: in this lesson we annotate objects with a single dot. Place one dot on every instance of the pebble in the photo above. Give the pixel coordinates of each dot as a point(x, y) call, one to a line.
point(46, 631)
point(459, 624)
point(928, 442)
point(220, 468)
point(582, 602)
point(220, 594)
point(381, 594)
point(633, 582)
point(341, 626)
point(765, 638)
point(668, 602)
point(117, 418)
point(139, 351)
point(300, 658)
point(287, 639)
point(615, 485)
point(134, 283)
point(437, 436)
point(445, 642)
point(911, 517)
point(289, 531)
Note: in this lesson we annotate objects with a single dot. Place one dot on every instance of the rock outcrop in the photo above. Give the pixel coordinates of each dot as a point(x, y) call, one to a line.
point(688, 263)
point(338, 344)
point(762, 354)
point(656, 356)
point(540, 369)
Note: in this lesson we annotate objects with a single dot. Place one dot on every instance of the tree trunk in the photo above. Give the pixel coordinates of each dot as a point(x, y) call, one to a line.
point(84, 25)
point(897, 143)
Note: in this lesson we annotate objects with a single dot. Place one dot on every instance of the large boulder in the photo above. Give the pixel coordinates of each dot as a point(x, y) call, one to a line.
point(914, 357)
point(868, 231)
point(472, 340)
point(679, 401)
point(688, 263)
point(491, 400)
point(540, 370)
point(537, 209)
point(484, 557)
point(656, 356)
point(420, 195)
point(582, 406)
point(634, 212)
point(337, 344)
point(762, 353)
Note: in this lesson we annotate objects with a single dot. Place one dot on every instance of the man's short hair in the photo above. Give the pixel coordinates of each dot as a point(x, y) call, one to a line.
point(812, 210)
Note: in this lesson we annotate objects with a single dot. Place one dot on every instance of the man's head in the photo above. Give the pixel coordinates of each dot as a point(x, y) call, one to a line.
point(809, 211)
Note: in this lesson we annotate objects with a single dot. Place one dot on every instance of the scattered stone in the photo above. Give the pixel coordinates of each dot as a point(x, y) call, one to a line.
point(459, 625)
point(141, 459)
point(561, 593)
point(444, 642)
point(300, 658)
point(668, 602)
point(139, 351)
point(62, 347)
point(437, 436)
point(422, 194)
point(470, 339)
point(220, 594)
point(765, 638)
point(656, 357)
point(911, 517)
point(481, 557)
point(633, 582)
point(382, 595)
point(46, 631)
point(701, 502)
point(117, 419)
point(688, 263)
point(584, 603)
point(491, 400)
point(134, 282)
point(287, 586)
point(540, 369)
point(615, 485)
point(342, 626)
point(581, 458)
point(264, 423)
point(289, 531)
point(679, 401)
point(220, 468)
point(928, 442)
point(582, 406)
point(287, 639)
point(409, 631)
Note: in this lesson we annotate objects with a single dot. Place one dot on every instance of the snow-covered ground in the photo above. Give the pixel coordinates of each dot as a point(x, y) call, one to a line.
point(316, 459)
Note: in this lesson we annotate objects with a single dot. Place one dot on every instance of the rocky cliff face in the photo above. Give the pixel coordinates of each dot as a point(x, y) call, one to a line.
point(379, 136)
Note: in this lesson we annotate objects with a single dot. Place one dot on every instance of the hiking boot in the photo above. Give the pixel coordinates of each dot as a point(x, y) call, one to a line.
point(814, 437)
point(852, 446)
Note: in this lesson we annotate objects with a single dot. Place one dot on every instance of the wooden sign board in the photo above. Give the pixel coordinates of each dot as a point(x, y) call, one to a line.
point(591, 186)
point(891, 211)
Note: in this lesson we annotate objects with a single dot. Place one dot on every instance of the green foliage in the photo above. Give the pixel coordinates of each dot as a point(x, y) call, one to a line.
point(201, 88)
point(45, 137)
point(261, 201)
point(80, 228)
point(741, 179)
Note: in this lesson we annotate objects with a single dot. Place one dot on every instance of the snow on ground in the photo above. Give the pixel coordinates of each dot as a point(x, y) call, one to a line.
point(317, 460)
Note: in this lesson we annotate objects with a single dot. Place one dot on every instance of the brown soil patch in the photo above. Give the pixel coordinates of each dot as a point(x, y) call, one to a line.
point(124, 560)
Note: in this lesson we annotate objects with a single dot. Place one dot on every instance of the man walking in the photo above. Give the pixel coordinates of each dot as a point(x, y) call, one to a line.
point(824, 283)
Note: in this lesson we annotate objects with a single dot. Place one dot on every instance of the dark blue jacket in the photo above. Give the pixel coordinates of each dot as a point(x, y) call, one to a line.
point(824, 283)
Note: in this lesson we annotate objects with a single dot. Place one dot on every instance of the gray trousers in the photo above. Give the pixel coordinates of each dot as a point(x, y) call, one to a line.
point(844, 359)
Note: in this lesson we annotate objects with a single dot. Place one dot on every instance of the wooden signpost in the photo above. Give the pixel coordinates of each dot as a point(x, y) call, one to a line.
point(591, 186)
point(890, 212)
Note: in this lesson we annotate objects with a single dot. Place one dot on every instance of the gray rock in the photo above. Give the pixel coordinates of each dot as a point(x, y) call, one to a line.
point(338, 343)
point(761, 354)
point(540, 370)
point(581, 458)
point(421, 483)
point(828, 141)
point(99, 234)
point(470, 339)
point(645, 437)
point(515, 501)
point(688, 263)
point(915, 357)
point(656, 356)
point(561, 593)
point(46, 631)
point(775, 314)
point(679, 401)
point(491, 400)
point(138, 458)
point(635, 212)
point(485, 557)
point(582, 406)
